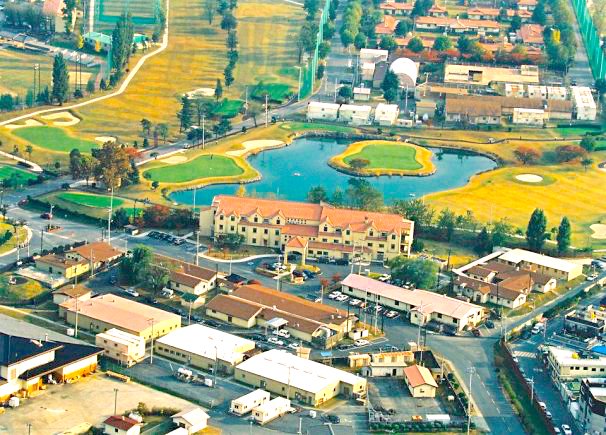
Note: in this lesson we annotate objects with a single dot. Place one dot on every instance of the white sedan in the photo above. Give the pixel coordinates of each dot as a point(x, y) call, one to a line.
point(334, 295)
point(276, 341)
point(361, 342)
point(342, 298)
point(355, 302)
point(294, 346)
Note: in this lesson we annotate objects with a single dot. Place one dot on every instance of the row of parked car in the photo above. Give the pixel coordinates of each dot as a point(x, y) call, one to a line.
point(370, 308)
point(159, 235)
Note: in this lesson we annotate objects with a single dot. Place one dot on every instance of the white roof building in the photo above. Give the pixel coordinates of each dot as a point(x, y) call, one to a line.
point(373, 55)
point(537, 91)
point(528, 116)
point(319, 110)
point(406, 70)
point(209, 343)
point(557, 93)
point(568, 364)
point(550, 266)
point(584, 103)
point(355, 114)
point(193, 420)
point(386, 114)
point(515, 90)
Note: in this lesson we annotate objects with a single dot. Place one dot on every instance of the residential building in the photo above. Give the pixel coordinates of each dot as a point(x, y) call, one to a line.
point(407, 72)
point(60, 268)
point(527, 5)
point(481, 13)
point(511, 295)
point(566, 364)
point(422, 306)
point(255, 305)
point(378, 76)
point(387, 26)
point(387, 364)
point(368, 70)
point(373, 55)
point(107, 311)
point(531, 35)
point(584, 323)
point(80, 292)
point(386, 114)
point(550, 266)
point(127, 349)
point(97, 254)
point(363, 94)
point(24, 362)
point(317, 110)
point(437, 11)
point(486, 75)
point(515, 90)
point(473, 110)
point(205, 348)
point(584, 104)
point(592, 406)
point(420, 382)
point(559, 109)
point(537, 91)
point(306, 381)
point(355, 114)
point(457, 25)
point(121, 425)
point(193, 420)
point(534, 117)
point(189, 278)
point(305, 229)
point(557, 93)
point(396, 9)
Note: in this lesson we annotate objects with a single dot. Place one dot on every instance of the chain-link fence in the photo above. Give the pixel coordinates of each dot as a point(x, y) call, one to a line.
point(308, 74)
point(591, 38)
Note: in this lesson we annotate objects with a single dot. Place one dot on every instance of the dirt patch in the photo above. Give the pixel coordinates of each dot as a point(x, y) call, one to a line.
point(202, 92)
point(255, 145)
point(529, 178)
point(599, 231)
point(70, 119)
point(104, 139)
point(27, 123)
point(173, 160)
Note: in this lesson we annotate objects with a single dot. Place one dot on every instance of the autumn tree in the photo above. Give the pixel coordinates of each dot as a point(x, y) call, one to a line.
point(112, 164)
point(526, 155)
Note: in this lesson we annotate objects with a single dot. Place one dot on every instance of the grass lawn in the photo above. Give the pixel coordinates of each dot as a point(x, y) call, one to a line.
point(576, 131)
point(16, 71)
point(9, 171)
point(10, 244)
point(89, 200)
point(459, 255)
point(275, 91)
point(55, 139)
point(204, 166)
point(24, 288)
point(229, 108)
point(307, 126)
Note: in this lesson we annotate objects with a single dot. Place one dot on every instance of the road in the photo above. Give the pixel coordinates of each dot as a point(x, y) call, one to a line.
point(580, 71)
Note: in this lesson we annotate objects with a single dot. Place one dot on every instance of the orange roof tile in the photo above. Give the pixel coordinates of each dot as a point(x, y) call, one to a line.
point(418, 375)
point(100, 251)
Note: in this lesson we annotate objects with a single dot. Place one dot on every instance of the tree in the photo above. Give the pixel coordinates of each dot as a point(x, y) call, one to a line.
point(403, 27)
point(218, 90)
point(362, 195)
point(446, 223)
point(146, 126)
point(346, 92)
point(536, 230)
point(229, 22)
point(421, 273)
point(464, 44)
point(232, 40)
point(600, 86)
point(526, 155)
point(120, 218)
point(162, 129)
point(228, 75)
point(415, 45)
point(500, 232)
point(185, 114)
point(567, 153)
point(156, 215)
point(388, 43)
point(358, 163)
point(122, 39)
point(588, 143)
point(135, 267)
point(538, 15)
point(422, 8)
point(60, 79)
point(483, 244)
point(112, 164)
point(415, 210)
point(516, 23)
point(390, 86)
point(563, 237)
point(210, 6)
point(317, 194)
point(157, 276)
point(29, 149)
point(586, 162)
point(442, 43)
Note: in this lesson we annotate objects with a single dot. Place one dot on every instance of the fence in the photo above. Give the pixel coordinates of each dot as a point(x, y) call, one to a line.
point(308, 73)
point(591, 38)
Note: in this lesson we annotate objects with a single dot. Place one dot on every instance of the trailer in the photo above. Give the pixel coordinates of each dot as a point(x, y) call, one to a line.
point(243, 405)
point(271, 410)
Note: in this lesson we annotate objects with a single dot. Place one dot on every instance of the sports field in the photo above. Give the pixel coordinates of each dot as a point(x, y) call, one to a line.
point(204, 166)
point(55, 139)
point(89, 200)
point(143, 11)
point(12, 171)
point(17, 71)
point(275, 91)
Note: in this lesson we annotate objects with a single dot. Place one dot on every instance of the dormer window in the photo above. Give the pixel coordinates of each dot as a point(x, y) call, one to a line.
point(278, 221)
point(325, 228)
point(256, 219)
point(370, 233)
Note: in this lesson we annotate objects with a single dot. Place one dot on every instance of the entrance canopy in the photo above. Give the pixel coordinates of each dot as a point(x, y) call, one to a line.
point(277, 322)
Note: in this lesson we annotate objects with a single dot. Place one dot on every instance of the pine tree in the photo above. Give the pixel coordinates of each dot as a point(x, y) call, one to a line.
point(535, 232)
point(185, 114)
point(218, 90)
point(483, 243)
point(563, 236)
point(60, 79)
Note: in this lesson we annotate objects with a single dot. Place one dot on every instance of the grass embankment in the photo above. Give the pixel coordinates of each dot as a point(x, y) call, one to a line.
point(55, 139)
point(92, 205)
point(11, 243)
point(90, 200)
point(7, 172)
point(22, 290)
point(206, 168)
point(385, 158)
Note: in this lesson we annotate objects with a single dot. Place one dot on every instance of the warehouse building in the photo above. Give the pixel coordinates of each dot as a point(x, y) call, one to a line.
point(127, 349)
point(108, 311)
point(486, 75)
point(204, 348)
point(306, 381)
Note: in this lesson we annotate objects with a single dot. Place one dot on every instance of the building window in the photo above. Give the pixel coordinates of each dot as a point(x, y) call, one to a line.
point(229, 318)
point(256, 219)
point(221, 217)
point(220, 227)
point(254, 240)
point(277, 232)
point(347, 232)
point(231, 228)
point(393, 246)
point(278, 221)
point(254, 231)
point(265, 231)
point(232, 218)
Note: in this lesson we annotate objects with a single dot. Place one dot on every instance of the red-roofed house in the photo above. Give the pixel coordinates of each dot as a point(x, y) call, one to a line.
point(437, 11)
point(317, 230)
point(396, 9)
point(387, 27)
point(121, 425)
point(419, 381)
point(531, 35)
point(527, 5)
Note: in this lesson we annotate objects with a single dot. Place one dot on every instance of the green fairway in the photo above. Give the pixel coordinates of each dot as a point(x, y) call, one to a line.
point(7, 172)
point(276, 91)
point(88, 200)
point(305, 126)
point(55, 139)
point(229, 108)
point(204, 166)
point(387, 157)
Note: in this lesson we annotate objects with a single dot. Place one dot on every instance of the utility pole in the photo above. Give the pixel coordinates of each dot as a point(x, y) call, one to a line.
point(41, 240)
point(203, 130)
point(109, 218)
point(215, 368)
point(471, 372)
point(197, 247)
point(531, 389)
point(151, 355)
point(115, 401)
point(29, 428)
point(266, 111)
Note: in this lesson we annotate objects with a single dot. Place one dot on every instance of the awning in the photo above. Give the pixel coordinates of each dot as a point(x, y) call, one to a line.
point(277, 322)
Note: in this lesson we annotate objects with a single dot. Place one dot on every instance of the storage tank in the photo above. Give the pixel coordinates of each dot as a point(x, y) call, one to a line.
point(406, 70)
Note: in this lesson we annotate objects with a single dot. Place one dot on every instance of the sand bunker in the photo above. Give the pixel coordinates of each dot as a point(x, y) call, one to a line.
point(71, 119)
point(599, 231)
point(202, 92)
point(27, 123)
point(529, 178)
point(601, 166)
point(172, 160)
point(104, 139)
point(251, 145)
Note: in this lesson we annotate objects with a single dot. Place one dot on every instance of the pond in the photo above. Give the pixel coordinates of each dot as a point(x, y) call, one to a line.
point(289, 173)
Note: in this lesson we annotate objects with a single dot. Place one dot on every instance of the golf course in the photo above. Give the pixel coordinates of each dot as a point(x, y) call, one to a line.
point(206, 166)
point(55, 139)
point(7, 172)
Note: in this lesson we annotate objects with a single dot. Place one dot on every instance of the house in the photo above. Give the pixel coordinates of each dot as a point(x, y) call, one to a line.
point(527, 5)
point(483, 13)
point(592, 405)
point(323, 111)
point(472, 110)
point(189, 278)
point(304, 380)
point(457, 25)
point(584, 104)
point(557, 93)
point(437, 11)
point(396, 9)
point(550, 266)
point(387, 364)
point(559, 109)
point(362, 94)
point(27, 363)
point(386, 114)
point(420, 382)
point(204, 348)
point(515, 90)
point(381, 69)
point(107, 311)
point(536, 117)
point(97, 254)
point(255, 305)
point(531, 35)
point(511, 296)
point(354, 114)
point(485, 75)
point(423, 306)
point(304, 229)
point(80, 292)
point(368, 70)
point(193, 420)
point(121, 425)
point(387, 27)
point(373, 55)
point(537, 91)
point(127, 349)
point(60, 269)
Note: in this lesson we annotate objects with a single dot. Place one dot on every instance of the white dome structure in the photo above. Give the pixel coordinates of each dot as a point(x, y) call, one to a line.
point(406, 70)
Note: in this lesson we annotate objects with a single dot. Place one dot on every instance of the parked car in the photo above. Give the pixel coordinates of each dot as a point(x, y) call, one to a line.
point(557, 430)
point(283, 333)
point(355, 302)
point(212, 323)
point(334, 419)
point(361, 342)
point(548, 415)
point(344, 347)
point(566, 429)
point(131, 291)
point(392, 314)
point(543, 406)
point(333, 295)
point(46, 215)
point(476, 332)
point(341, 262)
point(294, 346)
point(342, 298)
point(276, 341)
point(489, 324)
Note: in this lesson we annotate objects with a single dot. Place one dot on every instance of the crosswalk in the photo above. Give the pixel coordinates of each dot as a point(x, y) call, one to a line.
point(524, 354)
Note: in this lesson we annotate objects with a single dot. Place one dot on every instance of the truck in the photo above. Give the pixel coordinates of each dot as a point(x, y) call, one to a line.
point(245, 404)
point(271, 410)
